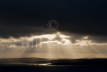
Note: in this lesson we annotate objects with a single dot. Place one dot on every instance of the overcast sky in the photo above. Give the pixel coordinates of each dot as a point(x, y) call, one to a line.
point(21, 18)
point(82, 20)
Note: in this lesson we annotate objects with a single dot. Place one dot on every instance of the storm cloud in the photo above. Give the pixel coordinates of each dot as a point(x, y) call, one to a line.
point(26, 18)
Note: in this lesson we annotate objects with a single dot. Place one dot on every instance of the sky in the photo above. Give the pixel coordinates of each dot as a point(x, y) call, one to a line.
point(83, 21)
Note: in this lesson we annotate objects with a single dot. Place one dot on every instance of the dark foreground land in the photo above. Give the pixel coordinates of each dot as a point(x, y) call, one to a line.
point(60, 65)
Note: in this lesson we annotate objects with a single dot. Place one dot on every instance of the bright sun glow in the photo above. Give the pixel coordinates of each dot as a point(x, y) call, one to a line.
point(55, 45)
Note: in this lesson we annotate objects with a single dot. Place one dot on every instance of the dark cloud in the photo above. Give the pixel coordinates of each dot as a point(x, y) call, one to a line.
point(18, 31)
point(24, 18)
